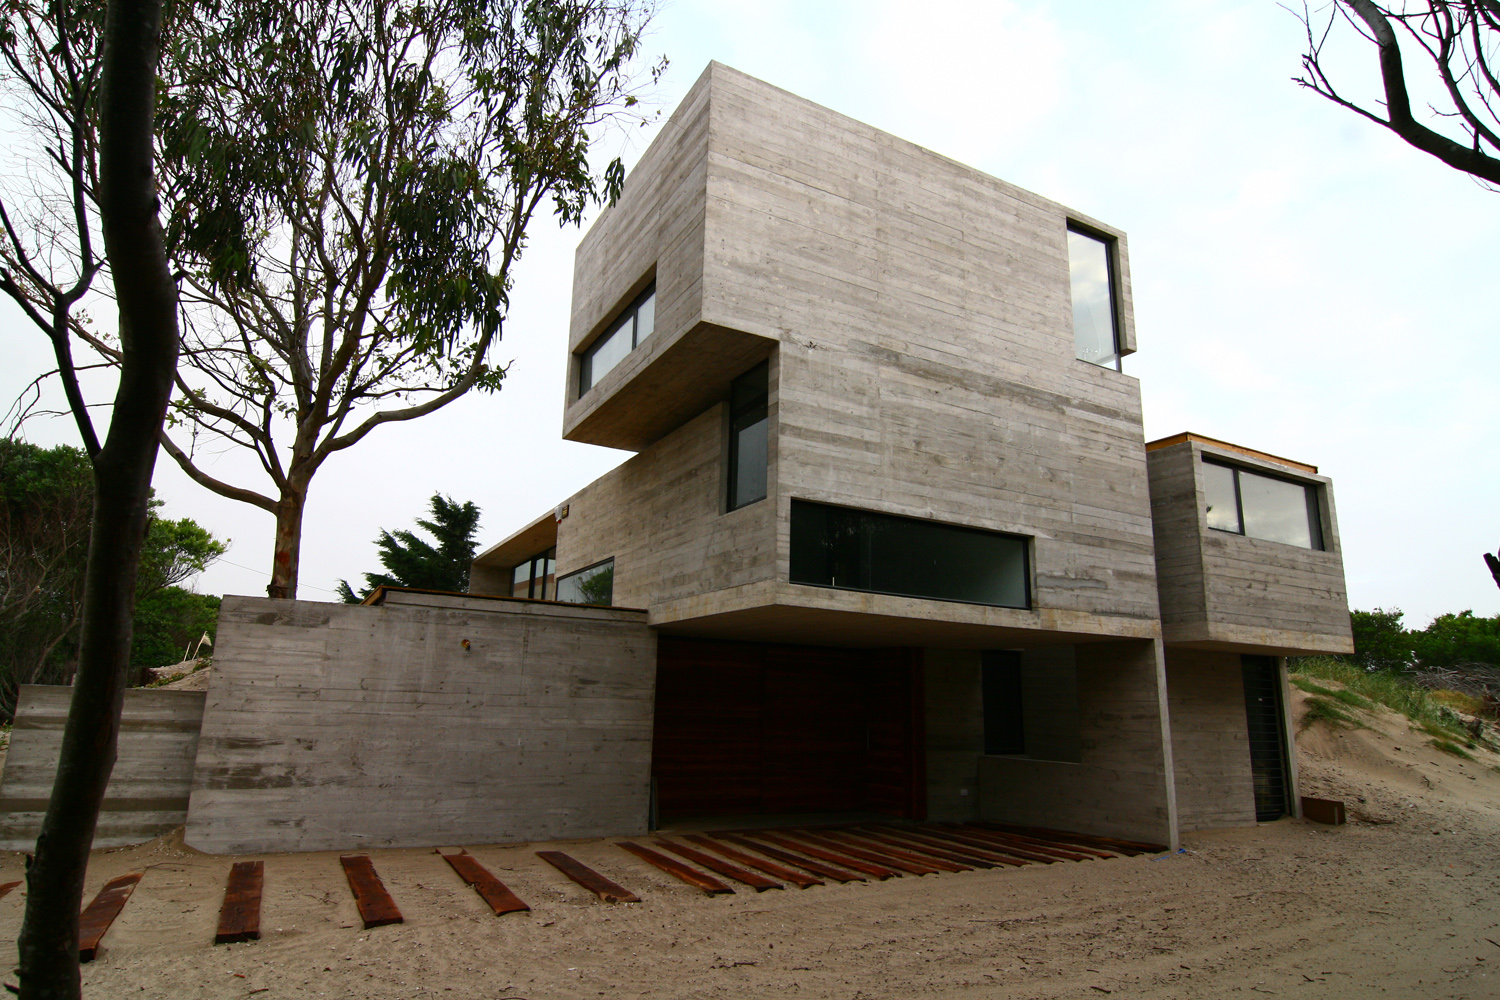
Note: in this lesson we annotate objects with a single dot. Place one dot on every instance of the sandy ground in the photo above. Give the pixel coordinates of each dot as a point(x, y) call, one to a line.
point(1402, 902)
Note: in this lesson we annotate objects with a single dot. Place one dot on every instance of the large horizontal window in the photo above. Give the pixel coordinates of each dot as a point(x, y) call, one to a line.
point(886, 554)
point(535, 576)
point(591, 585)
point(624, 335)
point(1260, 506)
point(1091, 272)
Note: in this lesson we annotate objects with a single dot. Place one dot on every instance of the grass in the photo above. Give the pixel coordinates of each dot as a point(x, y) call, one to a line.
point(1382, 687)
point(1345, 695)
point(1323, 710)
point(1466, 703)
point(1453, 748)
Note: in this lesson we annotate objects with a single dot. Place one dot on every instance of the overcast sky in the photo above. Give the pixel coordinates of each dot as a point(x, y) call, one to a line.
point(1304, 283)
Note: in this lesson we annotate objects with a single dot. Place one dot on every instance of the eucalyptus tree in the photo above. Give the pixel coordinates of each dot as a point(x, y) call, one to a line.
point(351, 183)
point(1459, 38)
point(83, 79)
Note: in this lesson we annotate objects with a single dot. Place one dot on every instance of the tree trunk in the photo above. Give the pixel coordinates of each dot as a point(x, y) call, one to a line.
point(147, 299)
point(288, 553)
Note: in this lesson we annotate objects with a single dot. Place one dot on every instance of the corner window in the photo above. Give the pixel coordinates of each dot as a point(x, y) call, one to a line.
point(886, 554)
point(591, 585)
point(1004, 719)
point(535, 577)
point(624, 335)
point(1091, 269)
point(1260, 506)
point(748, 425)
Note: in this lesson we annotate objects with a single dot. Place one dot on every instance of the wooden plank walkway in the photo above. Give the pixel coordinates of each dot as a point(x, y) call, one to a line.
point(376, 907)
point(676, 868)
point(490, 889)
point(759, 864)
point(588, 878)
point(808, 864)
point(97, 917)
point(757, 882)
point(239, 916)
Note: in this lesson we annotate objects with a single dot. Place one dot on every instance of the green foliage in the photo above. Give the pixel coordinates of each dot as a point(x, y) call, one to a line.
point(1456, 639)
point(1381, 642)
point(168, 622)
point(410, 561)
point(1342, 694)
point(174, 552)
point(1323, 710)
point(1383, 687)
point(1453, 748)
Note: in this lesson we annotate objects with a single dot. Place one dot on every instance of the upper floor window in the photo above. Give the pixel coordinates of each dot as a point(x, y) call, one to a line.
point(888, 554)
point(1260, 506)
point(749, 422)
point(591, 585)
point(624, 335)
point(535, 577)
point(1095, 328)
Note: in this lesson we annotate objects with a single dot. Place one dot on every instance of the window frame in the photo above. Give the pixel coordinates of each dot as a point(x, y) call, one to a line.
point(1311, 490)
point(1026, 542)
point(1112, 266)
point(545, 557)
point(557, 588)
point(732, 501)
point(630, 312)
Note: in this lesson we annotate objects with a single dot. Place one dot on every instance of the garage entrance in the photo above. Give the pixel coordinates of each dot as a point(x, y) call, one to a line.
point(755, 728)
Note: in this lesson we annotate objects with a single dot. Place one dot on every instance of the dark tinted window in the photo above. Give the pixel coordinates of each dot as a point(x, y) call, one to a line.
point(592, 585)
point(1261, 506)
point(1004, 729)
point(748, 425)
point(861, 550)
point(534, 577)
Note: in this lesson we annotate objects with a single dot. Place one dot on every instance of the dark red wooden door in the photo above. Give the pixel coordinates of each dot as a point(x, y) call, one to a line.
point(753, 728)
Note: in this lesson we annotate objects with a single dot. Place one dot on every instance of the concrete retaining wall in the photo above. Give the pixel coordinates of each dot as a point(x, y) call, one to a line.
point(331, 727)
point(148, 790)
point(1210, 739)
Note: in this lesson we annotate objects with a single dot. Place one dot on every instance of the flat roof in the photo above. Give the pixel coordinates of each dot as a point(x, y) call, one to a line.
point(1168, 442)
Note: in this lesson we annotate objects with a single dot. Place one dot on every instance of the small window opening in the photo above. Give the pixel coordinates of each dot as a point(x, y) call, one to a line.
point(1092, 273)
point(633, 325)
point(749, 423)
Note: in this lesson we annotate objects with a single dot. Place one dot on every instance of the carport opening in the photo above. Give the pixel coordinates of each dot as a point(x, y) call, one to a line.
point(748, 733)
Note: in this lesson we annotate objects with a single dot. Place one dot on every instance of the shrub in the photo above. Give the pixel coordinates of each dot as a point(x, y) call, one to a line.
point(1380, 640)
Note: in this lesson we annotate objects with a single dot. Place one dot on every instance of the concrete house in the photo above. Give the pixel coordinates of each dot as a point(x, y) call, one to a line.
point(892, 542)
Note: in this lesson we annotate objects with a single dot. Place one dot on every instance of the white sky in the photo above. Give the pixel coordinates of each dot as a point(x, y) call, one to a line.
point(1304, 282)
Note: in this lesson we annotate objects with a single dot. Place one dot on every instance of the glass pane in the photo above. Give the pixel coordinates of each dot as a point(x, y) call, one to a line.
point(609, 351)
point(594, 585)
point(749, 464)
point(1218, 492)
point(860, 550)
point(1093, 303)
point(1004, 721)
point(645, 317)
point(520, 580)
point(1275, 510)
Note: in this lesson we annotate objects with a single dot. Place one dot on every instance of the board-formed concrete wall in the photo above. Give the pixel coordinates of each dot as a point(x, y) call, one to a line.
point(153, 772)
point(1122, 785)
point(428, 720)
point(1225, 591)
point(1210, 739)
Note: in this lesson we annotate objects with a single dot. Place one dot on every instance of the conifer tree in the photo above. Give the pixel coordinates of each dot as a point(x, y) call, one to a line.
point(412, 561)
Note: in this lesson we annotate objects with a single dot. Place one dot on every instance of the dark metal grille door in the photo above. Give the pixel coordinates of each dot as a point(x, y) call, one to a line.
point(1267, 744)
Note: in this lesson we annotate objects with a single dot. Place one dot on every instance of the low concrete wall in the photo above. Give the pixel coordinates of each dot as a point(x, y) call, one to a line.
point(1210, 739)
point(1122, 785)
point(148, 789)
point(332, 726)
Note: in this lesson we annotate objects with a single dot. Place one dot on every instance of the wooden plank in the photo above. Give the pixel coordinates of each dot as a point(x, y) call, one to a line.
point(6, 887)
point(1095, 852)
point(961, 846)
point(98, 915)
point(951, 853)
point(1066, 836)
point(883, 854)
point(239, 915)
point(816, 867)
point(376, 907)
point(1050, 849)
point(676, 868)
point(760, 864)
point(493, 891)
point(757, 882)
point(1017, 851)
point(588, 878)
point(834, 857)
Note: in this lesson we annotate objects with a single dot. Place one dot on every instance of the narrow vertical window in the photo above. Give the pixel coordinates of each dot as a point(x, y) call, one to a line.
point(632, 326)
point(748, 425)
point(1091, 269)
point(1004, 718)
